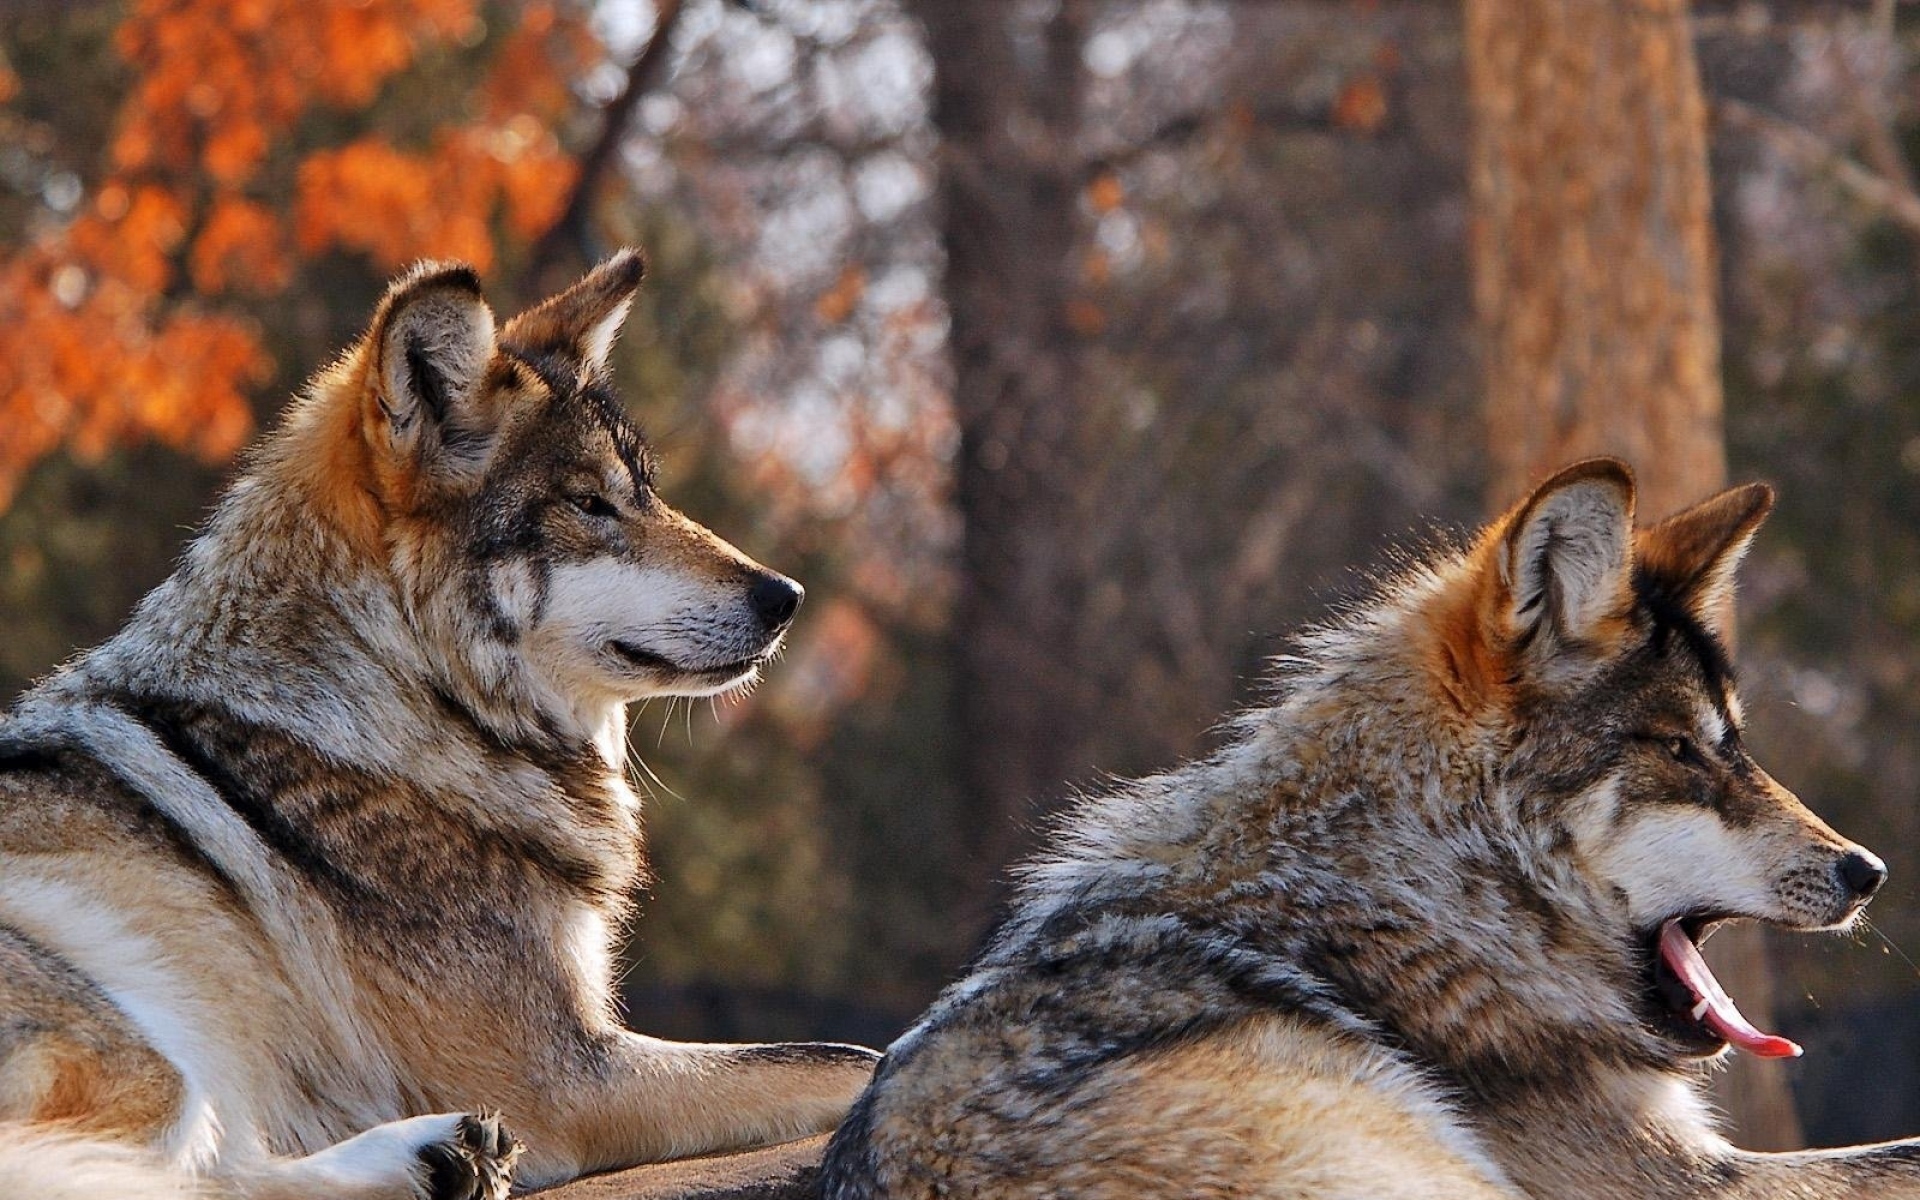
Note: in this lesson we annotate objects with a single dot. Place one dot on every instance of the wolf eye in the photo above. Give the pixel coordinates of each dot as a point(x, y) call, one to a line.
point(593, 504)
point(1680, 749)
point(1678, 746)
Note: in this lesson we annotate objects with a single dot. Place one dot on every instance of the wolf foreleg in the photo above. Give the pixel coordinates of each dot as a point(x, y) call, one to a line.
point(1886, 1171)
point(648, 1100)
point(445, 1156)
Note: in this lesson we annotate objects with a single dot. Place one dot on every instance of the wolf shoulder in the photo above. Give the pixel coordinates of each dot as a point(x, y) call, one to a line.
point(1271, 1106)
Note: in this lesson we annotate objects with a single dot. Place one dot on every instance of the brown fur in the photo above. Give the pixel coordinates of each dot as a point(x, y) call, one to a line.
point(332, 844)
point(1399, 939)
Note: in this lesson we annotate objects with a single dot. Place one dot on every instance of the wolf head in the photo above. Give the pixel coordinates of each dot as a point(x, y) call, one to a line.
point(516, 507)
point(1593, 658)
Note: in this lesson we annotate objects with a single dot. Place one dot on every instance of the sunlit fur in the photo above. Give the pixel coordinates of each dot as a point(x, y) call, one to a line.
point(328, 849)
point(1395, 940)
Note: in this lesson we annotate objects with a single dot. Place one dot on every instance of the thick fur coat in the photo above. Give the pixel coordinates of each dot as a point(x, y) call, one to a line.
point(313, 874)
point(1427, 928)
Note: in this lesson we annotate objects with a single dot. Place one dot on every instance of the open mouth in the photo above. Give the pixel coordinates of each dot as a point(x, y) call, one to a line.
point(647, 660)
point(1688, 1003)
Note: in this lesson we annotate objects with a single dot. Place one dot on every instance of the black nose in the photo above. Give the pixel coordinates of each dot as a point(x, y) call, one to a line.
point(1862, 873)
point(774, 599)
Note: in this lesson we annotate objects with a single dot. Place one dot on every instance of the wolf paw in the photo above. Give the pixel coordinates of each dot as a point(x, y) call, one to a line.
point(475, 1162)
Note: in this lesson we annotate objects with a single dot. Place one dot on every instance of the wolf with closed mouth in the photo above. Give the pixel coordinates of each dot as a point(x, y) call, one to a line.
point(311, 876)
point(1429, 927)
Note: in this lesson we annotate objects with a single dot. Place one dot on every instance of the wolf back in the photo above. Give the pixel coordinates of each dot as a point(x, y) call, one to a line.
point(315, 870)
point(1428, 927)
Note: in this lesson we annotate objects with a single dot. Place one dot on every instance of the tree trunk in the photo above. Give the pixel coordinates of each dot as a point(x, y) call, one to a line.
point(1007, 123)
point(1594, 280)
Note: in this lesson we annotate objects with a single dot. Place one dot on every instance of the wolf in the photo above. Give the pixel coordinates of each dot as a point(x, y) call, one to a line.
point(1428, 927)
point(310, 877)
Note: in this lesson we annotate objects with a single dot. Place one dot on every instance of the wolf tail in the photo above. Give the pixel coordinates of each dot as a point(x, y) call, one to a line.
point(41, 1164)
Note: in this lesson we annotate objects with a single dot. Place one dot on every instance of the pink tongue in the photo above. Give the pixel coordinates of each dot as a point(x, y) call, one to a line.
point(1713, 1005)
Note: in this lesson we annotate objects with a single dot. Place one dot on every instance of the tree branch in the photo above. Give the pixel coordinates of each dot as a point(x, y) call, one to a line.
point(1867, 106)
point(571, 229)
point(1810, 151)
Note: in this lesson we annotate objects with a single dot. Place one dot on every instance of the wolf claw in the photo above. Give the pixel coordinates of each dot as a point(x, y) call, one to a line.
point(476, 1163)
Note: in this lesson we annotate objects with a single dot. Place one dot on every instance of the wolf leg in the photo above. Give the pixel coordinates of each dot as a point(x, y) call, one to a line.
point(79, 1082)
point(649, 1100)
point(1886, 1171)
point(69, 1058)
point(446, 1156)
point(452, 1156)
point(40, 1162)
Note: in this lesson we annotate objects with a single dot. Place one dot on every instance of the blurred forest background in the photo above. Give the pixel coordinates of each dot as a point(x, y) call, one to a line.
point(1070, 351)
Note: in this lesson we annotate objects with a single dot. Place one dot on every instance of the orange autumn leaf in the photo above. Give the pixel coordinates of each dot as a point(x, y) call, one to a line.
point(234, 150)
point(531, 71)
point(367, 196)
point(1096, 267)
point(134, 245)
point(232, 74)
point(109, 325)
point(82, 364)
point(1085, 317)
point(1106, 193)
point(837, 302)
point(241, 247)
point(534, 188)
point(396, 206)
point(1361, 105)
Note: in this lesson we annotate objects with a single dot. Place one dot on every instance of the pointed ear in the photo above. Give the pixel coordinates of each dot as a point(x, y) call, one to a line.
point(579, 325)
point(1564, 560)
point(1692, 555)
point(431, 342)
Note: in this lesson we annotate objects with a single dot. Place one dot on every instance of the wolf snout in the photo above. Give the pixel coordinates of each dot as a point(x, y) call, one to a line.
point(1860, 873)
point(775, 599)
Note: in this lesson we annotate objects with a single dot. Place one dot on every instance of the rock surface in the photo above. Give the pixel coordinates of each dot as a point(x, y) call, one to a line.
point(783, 1172)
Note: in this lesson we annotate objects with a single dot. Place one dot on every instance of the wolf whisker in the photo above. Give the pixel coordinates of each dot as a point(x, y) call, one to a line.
point(637, 763)
point(1892, 945)
point(667, 720)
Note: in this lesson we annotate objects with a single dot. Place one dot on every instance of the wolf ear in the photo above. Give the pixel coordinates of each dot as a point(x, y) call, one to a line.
point(1692, 555)
point(1564, 559)
point(579, 325)
point(431, 342)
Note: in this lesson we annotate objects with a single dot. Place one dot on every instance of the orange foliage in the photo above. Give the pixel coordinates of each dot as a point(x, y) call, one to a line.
point(531, 71)
point(395, 206)
point(1085, 317)
point(1361, 105)
point(241, 247)
point(111, 326)
point(84, 360)
point(1106, 193)
point(218, 79)
point(836, 304)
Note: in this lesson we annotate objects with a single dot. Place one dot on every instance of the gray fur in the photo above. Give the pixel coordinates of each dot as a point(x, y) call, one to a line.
point(337, 828)
point(1427, 887)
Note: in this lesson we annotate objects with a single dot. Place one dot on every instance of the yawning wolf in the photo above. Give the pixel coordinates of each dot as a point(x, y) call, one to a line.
point(324, 855)
point(1429, 928)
